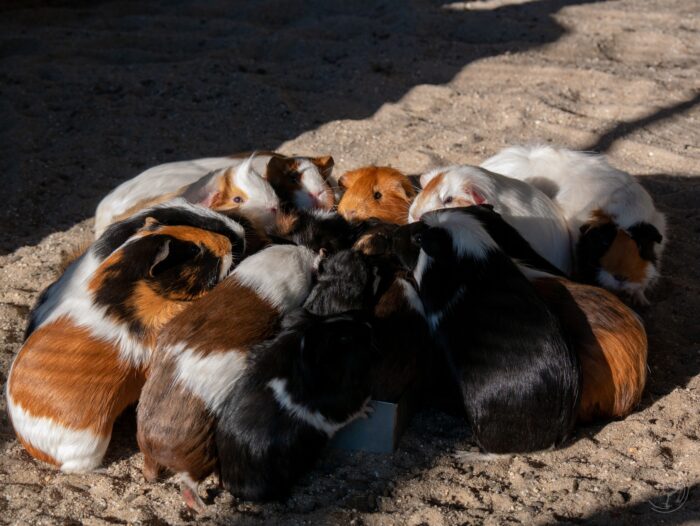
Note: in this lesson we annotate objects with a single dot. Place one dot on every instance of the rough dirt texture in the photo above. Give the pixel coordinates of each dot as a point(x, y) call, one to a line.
point(94, 92)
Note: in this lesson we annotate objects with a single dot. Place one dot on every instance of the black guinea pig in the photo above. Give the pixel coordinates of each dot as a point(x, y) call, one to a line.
point(520, 381)
point(297, 391)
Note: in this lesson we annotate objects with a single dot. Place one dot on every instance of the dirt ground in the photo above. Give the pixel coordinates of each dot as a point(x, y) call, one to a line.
point(94, 92)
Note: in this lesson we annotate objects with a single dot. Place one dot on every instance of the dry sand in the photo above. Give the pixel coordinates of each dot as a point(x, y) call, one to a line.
point(94, 92)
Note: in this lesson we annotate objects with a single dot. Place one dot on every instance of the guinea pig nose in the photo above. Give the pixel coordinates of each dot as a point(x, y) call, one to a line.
point(273, 209)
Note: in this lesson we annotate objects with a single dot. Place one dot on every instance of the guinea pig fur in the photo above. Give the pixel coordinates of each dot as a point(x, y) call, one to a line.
point(530, 211)
point(520, 381)
point(319, 229)
point(203, 352)
point(608, 337)
point(376, 191)
point(610, 341)
point(617, 233)
point(178, 212)
point(298, 390)
point(88, 358)
point(239, 187)
point(292, 177)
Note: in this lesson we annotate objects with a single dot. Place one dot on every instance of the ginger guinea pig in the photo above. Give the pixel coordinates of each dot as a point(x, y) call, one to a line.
point(376, 191)
point(87, 359)
point(526, 208)
point(616, 232)
point(203, 352)
point(238, 187)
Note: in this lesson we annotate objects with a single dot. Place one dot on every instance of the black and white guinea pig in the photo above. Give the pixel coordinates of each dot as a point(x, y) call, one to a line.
point(519, 379)
point(298, 390)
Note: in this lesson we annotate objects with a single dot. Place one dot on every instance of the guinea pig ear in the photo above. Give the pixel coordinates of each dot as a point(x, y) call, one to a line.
point(278, 165)
point(208, 190)
point(429, 176)
point(150, 223)
point(349, 178)
point(324, 164)
point(172, 253)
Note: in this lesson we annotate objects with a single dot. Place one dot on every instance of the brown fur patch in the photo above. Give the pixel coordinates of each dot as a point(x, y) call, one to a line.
point(623, 259)
point(611, 344)
point(362, 185)
point(428, 189)
point(64, 373)
point(285, 223)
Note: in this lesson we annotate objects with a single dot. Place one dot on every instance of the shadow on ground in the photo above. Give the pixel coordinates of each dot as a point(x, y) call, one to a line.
point(110, 88)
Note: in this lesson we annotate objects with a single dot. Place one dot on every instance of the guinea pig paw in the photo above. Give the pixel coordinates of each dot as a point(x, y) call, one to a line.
point(639, 298)
point(192, 500)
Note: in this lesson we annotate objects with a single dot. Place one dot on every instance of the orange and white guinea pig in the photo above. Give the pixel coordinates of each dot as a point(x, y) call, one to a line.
point(521, 205)
point(376, 191)
point(86, 358)
point(610, 341)
point(617, 233)
point(248, 182)
point(239, 188)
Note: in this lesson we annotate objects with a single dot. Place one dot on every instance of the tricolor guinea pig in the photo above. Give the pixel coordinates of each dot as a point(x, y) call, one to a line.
point(238, 188)
point(176, 213)
point(87, 359)
point(300, 182)
point(376, 191)
point(318, 229)
point(297, 391)
point(525, 207)
point(404, 348)
point(519, 379)
point(616, 232)
point(201, 354)
point(609, 339)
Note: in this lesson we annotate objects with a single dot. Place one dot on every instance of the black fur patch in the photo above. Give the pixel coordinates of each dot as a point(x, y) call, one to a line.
point(592, 245)
point(646, 236)
point(263, 449)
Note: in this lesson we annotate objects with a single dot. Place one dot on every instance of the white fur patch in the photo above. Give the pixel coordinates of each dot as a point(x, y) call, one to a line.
point(210, 377)
point(281, 274)
point(634, 289)
point(412, 297)
point(313, 185)
point(262, 202)
point(469, 238)
point(75, 450)
point(313, 418)
point(424, 261)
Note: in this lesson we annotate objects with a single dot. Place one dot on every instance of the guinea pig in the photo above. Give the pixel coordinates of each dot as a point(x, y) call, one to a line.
point(178, 212)
point(319, 229)
point(300, 181)
point(87, 360)
point(616, 232)
point(376, 191)
point(519, 379)
point(297, 391)
point(202, 353)
point(609, 339)
point(525, 207)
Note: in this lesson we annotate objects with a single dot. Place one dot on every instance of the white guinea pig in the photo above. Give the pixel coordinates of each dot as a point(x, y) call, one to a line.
point(523, 206)
point(617, 234)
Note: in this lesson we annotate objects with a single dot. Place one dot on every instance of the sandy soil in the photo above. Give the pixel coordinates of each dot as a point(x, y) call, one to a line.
point(93, 92)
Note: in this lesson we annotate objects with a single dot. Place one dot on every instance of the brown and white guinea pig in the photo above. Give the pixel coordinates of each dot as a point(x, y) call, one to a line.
point(520, 381)
point(617, 234)
point(608, 337)
point(243, 237)
point(298, 390)
point(376, 191)
point(87, 359)
point(529, 210)
point(238, 187)
point(202, 353)
point(301, 182)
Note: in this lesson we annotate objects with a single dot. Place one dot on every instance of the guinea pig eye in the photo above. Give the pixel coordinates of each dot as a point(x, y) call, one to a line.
point(377, 196)
point(448, 200)
point(238, 199)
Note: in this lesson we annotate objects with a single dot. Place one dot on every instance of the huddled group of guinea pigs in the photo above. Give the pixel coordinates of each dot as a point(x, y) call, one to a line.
point(251, 318)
